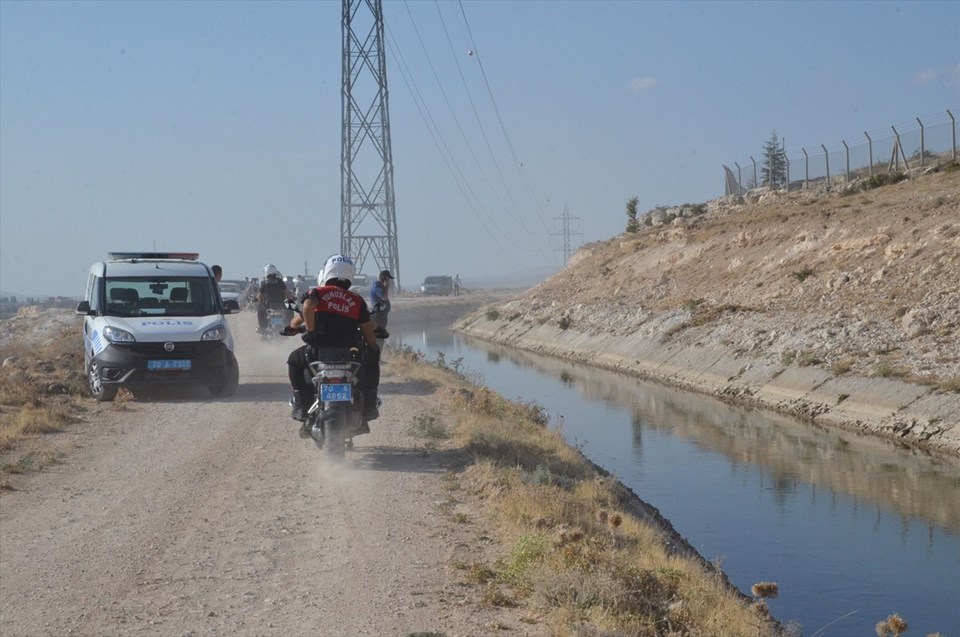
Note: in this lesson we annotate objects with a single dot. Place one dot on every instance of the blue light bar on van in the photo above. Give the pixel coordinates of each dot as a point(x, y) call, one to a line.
point(121, 256)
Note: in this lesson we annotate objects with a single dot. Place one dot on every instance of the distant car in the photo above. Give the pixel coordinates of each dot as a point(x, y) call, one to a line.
point(437, 285)
point(230, 290)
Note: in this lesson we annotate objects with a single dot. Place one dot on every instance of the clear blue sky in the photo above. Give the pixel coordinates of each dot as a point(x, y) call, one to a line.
point(215, 126)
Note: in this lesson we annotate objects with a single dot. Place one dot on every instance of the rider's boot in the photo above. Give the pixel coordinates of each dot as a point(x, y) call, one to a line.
point(301, 401)
point(371, 404)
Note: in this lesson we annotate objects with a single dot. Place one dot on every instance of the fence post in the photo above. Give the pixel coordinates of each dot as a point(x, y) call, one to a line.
point(847, 150)
point(783, 147)
point(906, 165)
point(922, 147)
point(953, 131)
point(826, 156)
point(739, 181)
point(806, 168)
point(870, 145)
point(755, 182)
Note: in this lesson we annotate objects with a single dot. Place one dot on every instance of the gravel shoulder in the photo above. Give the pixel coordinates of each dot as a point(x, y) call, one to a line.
point(188, 516)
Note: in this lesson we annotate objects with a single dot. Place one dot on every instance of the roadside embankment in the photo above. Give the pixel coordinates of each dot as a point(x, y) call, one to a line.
point(837, 308)
point(888, 408)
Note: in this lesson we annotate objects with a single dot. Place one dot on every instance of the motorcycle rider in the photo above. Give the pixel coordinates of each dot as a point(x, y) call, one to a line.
point(300, 286)
point(271, 295)
point(334, 317)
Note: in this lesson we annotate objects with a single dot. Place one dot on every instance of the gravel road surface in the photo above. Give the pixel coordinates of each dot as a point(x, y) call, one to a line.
point(187, 515)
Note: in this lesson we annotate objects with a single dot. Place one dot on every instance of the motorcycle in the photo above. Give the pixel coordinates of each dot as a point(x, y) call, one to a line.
point(276, 321)
point(336, 415)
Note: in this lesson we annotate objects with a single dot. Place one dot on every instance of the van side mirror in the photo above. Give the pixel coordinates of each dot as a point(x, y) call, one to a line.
point(83, 308)
point(231, 307)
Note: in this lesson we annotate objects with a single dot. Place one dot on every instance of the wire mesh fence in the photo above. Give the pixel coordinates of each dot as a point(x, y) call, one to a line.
point(922, 142)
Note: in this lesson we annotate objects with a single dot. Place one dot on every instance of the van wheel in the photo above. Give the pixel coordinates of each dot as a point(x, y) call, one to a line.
point(100, 392)
point(229, 388)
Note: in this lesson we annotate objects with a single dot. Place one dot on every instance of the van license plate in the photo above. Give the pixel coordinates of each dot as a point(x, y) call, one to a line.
point(168, 364)
point(339, 392)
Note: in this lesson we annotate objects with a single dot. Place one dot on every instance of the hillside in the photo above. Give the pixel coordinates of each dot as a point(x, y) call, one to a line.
point(838, 306)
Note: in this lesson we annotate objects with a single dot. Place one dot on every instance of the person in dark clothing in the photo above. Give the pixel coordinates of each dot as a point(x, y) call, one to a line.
point(380, 303)
point(334, 317)
point(273, 292)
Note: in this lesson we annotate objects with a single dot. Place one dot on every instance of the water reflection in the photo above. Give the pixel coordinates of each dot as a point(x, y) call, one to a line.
point(868, 470)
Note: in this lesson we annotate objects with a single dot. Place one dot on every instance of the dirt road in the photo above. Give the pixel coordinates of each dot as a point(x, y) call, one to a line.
point(194, 516)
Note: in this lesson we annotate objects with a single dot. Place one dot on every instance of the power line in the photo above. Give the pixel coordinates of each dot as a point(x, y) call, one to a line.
point(458, 178)
point(476, 114)
point(503, 128)
point(514, 211)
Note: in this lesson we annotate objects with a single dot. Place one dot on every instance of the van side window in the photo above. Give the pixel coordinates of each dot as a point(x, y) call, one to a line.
point(95, 293)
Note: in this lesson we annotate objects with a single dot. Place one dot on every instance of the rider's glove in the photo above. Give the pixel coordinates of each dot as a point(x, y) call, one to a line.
point(308, 338)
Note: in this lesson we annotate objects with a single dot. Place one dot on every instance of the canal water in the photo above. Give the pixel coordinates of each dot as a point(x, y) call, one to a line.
point(851, 528)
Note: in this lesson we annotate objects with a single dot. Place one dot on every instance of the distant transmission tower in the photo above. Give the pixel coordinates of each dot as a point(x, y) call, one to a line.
point(565, 232)
point(368, 219)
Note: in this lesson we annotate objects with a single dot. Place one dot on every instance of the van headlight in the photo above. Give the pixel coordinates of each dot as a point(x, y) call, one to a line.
point(116, 335)
point(217, 333)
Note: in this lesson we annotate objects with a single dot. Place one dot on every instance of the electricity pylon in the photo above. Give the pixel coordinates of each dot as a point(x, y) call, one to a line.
point(368, 219)
point(565, 232)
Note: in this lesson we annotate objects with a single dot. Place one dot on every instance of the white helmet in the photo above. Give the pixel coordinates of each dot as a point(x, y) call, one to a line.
point(270, 269)
point(337, 267)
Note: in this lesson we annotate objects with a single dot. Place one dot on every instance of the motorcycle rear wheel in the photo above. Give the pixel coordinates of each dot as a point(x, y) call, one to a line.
point(335, 430)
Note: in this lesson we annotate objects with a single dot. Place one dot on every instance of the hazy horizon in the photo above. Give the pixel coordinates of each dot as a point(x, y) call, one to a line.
point(216, 127)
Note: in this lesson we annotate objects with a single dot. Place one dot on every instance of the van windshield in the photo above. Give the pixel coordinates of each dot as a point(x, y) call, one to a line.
point(159, 296)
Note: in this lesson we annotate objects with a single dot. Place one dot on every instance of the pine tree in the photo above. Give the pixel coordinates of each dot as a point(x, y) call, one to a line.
point(774, 169)
point(632, 225)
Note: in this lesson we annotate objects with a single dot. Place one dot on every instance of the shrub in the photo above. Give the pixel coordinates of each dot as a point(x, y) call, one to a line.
point(806, 359)
point(842, 366)
point(882, 179)
point(427, 426)
point(951, 385)
point(803, 274)
point(886, 370)
point(492, 314)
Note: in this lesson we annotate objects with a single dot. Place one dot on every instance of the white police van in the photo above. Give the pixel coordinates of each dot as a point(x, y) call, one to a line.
point(156, 318)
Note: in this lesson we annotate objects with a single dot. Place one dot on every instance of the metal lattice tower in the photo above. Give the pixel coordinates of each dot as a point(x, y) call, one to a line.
point(565, 232)
point(368, 220)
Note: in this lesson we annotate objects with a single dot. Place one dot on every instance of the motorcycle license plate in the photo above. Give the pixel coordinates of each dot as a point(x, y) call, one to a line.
point(157, 365)
point(336, 392)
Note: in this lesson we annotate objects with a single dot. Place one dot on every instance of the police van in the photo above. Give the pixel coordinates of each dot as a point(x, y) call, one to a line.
point(155, 318)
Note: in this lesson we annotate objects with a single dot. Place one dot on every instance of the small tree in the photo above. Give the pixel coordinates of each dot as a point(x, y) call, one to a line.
point(632, 224)
point(774, 169)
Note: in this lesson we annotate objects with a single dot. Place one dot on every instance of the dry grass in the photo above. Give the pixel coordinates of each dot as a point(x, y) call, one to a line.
point(951, 384)
point(41, 388)
point(573, 553)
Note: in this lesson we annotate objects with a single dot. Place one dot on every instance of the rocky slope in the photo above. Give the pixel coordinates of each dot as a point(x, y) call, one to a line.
point(838, 306)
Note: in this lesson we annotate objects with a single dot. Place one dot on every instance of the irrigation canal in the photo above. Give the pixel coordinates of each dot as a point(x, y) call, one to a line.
point(851, 528)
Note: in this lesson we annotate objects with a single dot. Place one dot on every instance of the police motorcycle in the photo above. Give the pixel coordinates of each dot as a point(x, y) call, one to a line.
point(336, 415)
point(276, 321)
